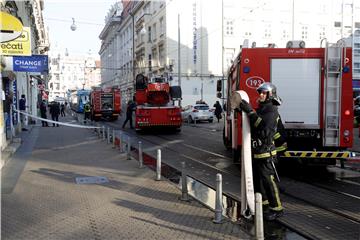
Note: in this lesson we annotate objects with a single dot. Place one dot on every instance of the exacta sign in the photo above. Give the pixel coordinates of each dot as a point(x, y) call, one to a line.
point(21, 46)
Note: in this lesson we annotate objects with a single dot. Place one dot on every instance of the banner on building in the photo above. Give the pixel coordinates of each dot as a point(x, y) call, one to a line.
point(21, 46)
point(34, 63)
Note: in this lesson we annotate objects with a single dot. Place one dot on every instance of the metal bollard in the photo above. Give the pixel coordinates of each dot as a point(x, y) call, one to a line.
point(184, 189)
point(103, 132)
point(128, 148)
point(140, 155)
point(158, 165)
point(259, 224)
point(108, 135)
point(113, 138)
point(218, 201)
point(120, 141)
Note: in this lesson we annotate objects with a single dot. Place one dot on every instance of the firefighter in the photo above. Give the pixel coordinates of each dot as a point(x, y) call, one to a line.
point(87, 110)
point(264, 123)
point(131, 106)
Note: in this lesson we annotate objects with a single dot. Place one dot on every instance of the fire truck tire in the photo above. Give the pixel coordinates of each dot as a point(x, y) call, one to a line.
point(210, 121)
point(175, 92)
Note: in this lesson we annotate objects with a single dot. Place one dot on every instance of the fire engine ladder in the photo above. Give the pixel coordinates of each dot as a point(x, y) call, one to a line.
point(332, 86)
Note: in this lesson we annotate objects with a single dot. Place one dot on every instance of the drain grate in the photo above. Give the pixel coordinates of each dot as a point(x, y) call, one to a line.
point(91, 180)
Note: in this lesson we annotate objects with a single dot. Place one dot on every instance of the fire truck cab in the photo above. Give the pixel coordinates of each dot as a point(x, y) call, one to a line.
point(315, 85)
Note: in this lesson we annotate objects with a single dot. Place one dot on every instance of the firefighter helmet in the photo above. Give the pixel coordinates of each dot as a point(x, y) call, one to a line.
point(271, 90)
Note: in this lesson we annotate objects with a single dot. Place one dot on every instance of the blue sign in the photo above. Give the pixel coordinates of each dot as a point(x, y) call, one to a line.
point(34, 63)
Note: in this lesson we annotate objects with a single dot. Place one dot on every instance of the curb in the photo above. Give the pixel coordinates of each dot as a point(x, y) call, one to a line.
point(10, 149)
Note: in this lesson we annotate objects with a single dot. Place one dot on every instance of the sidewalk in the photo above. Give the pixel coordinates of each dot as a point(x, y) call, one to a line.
point(41, 199)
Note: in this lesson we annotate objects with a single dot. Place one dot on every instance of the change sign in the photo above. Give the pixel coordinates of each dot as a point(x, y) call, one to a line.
point(34, 63)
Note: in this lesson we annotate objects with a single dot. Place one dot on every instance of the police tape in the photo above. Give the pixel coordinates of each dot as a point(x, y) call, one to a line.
point(56, 122)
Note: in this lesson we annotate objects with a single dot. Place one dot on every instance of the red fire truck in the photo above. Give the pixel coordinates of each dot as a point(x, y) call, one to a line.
point(155, 103)
point(315, 85)
point(105, 103)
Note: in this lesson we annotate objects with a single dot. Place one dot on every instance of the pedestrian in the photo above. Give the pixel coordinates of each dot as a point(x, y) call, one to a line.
point(62, 109)
point(218, 110)
point(263, 124)
point(43, 114)
point(87, 112)
point(22, 108)
point(55, 112)
point(131, 106)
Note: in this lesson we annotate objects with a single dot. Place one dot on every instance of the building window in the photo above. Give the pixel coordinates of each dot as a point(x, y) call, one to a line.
point(162, 27)
point(149, 34)
point(162, 55)
point(337, 24)
point(267, 32)
point(322, 32)
point(229, 27)
point(304, 32)
point(154, 32)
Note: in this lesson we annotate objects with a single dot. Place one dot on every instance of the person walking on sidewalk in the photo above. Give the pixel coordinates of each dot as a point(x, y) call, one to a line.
point(43, 114)
point(263, 124)
point(22, 108)
point(62, 109)
point(218, 110)
point(55, 112)
point(131, 106)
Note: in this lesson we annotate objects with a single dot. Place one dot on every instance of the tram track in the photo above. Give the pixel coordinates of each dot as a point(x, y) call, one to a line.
point(323, 199)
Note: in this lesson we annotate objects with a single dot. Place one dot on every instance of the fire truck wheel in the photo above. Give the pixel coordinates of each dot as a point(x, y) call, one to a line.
point(210, 121)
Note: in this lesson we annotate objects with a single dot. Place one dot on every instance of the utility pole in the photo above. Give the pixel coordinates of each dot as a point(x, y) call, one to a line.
point(293, 20)
point(133, 48)
point(222, 50)
point(179, 59)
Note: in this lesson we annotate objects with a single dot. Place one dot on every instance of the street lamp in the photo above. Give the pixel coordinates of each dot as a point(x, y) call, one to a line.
point(73, 25)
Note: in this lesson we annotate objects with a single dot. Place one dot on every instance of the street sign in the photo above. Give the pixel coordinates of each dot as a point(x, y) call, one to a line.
point(34, 63)
point(21, 46)
point(10, 27)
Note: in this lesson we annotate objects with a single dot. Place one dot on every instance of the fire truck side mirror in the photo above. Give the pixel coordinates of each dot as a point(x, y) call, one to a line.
point(219, 85)
point(219, 95)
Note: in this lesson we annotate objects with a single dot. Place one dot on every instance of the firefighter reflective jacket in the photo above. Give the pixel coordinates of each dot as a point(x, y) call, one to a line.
point(280, 138)
point(87, 108)
point(263, 129)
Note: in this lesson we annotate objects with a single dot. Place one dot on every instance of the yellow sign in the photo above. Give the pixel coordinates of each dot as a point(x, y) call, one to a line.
point(10, 27)
point(18, 47)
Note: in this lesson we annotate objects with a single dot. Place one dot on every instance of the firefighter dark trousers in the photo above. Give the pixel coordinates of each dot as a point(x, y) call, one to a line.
point(264, 182)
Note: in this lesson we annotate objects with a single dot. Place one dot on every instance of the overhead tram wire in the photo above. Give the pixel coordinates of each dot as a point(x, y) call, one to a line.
point(70, 21)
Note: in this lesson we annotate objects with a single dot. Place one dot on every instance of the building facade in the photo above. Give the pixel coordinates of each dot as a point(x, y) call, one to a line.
point(71, 72)
point(193, 42)
point(14, 83)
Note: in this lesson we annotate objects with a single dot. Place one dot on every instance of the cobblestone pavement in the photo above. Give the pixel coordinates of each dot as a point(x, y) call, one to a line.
point(41, 200)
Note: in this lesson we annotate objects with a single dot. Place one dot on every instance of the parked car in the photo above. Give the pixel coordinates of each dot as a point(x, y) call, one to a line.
point(198, 112)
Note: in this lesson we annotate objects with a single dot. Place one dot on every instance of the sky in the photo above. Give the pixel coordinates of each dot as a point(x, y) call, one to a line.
point(89, 18)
